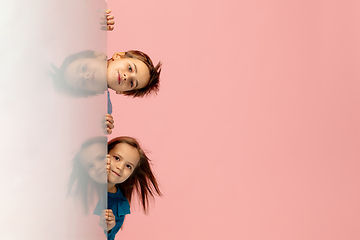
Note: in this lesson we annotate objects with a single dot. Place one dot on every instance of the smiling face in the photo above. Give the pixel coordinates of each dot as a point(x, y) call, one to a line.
point(87, 73)
point(123, 161)
point(93, 158)
point(126, 74)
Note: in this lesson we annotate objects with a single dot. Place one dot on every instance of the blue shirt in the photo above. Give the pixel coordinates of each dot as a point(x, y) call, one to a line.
point(109, 104)
point(120, 207)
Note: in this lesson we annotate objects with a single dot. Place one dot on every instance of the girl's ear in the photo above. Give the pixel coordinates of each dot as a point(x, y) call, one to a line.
point(100, 55)
point(118, 55)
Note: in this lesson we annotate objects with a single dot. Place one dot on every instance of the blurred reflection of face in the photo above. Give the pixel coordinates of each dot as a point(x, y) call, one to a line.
point(88, 73)
point(126, 74)
point(123, 161)
point(93, 158)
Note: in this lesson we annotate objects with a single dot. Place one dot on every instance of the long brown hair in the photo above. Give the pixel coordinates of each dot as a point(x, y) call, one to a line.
point(142, 180)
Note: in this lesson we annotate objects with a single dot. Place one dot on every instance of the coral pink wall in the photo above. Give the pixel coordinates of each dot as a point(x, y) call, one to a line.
point(255, 131)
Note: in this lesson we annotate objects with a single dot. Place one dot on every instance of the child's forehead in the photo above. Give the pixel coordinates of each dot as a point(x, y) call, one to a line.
point(93, 151)
point(126, 151)
point(130, 59)
point(86, 59)
point(74, 66)
point(121, 147)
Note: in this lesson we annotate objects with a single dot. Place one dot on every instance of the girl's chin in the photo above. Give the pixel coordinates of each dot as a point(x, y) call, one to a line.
point(112, 180)
point(97, 90)
point(101, 181)
point(109, 86)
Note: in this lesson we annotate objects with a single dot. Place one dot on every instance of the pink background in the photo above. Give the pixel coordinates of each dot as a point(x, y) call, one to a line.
point(255, 131)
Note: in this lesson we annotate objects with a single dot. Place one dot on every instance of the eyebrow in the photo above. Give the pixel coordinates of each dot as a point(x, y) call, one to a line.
point(135, 67)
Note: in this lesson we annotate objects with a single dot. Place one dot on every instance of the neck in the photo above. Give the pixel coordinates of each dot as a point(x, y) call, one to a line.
point(111, 187)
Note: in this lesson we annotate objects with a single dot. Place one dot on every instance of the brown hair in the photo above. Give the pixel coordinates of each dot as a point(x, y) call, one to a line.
point(154, 82)
point(142, 180)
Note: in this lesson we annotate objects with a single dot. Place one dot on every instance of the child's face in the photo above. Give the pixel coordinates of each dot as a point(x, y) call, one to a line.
point(123, 161)
point(87, 74)
point(125, 74)
point(93, 159)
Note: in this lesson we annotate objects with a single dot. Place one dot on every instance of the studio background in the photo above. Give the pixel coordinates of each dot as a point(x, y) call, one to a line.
point(255, 131)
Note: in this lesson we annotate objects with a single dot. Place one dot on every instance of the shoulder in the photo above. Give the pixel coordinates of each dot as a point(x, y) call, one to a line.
point(118, 203)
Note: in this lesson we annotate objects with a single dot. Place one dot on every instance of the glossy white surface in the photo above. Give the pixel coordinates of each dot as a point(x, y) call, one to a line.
point(42, 130)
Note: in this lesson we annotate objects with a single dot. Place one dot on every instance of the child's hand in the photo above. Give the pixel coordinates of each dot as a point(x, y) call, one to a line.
point(108, 163)
point(107, 220)
point(109, 123)
point(107, 20)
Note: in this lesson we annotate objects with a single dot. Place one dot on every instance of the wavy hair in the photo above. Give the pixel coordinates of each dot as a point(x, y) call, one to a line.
point(142, 180)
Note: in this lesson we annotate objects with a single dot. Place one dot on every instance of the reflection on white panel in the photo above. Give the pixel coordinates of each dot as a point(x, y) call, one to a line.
point(52, 144)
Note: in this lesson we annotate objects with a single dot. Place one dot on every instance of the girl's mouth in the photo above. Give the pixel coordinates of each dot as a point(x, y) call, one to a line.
point(119, 78)
point(115, 173)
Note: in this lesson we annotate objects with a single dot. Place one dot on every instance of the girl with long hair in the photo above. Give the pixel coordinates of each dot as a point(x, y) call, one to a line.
point(129, 175)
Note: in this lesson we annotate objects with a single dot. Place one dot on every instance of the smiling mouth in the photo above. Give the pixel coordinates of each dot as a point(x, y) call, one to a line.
point(119, 78)
point(115, 173)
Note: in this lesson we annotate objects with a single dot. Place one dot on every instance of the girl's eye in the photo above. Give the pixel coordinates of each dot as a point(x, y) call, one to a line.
point(128, 166)
point(90, 166)
point(130, 69)
point(84, 68)
point(116, 158)
point(131, 83)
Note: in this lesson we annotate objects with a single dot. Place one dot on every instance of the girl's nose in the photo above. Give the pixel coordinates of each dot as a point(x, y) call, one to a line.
point(124, 77)
point(120, 166)
point(100, 169)
point(99, 166)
